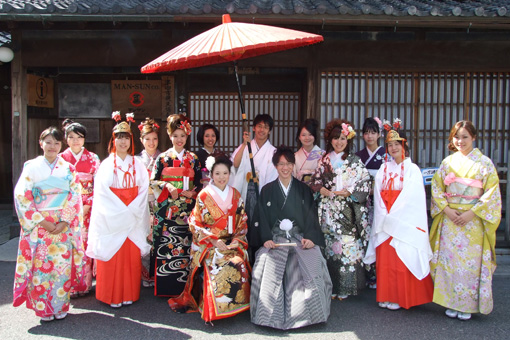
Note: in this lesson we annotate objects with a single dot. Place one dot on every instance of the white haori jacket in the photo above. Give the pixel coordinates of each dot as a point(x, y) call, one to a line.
point(111, 221)
point(262, 159)
point(406, 222)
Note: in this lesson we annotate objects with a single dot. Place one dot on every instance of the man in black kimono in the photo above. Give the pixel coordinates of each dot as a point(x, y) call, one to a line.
point(290, 273)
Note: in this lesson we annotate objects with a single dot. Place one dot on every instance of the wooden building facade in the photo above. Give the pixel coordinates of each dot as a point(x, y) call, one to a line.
point(430, 65)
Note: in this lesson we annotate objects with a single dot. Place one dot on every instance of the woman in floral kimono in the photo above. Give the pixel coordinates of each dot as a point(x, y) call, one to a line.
point(309, 153)
point(86, 164)
point(344, 185)
point(149, 137)
point(218, 284)
point(49, 207)
point(119, 224)
point(176, 182)
point(399, 238)
point(466, 207)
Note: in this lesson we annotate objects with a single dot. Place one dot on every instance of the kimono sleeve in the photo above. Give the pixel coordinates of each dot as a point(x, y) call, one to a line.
point(89, 199)
point(28, 214)
point(488, 207)
point(361, 185)
point(438, 189)
point(241, 227)
point(73, 207)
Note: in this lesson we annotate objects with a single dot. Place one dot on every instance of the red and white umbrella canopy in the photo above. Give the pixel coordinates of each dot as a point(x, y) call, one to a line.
point(228, 42)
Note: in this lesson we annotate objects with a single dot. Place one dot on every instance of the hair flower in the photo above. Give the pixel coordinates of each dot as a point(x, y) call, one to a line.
point(397, 123)
point(116, 116)
point(348, 131)
point(209, 163)
point(130, 117)
point(140, 127)
point(379, 122)
point(186, 127)
point(156, 126)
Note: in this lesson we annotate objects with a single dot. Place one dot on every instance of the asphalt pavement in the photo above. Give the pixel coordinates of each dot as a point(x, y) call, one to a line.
point(357, 317)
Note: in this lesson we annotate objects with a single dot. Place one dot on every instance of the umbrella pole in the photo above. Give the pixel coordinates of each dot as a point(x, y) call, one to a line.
point(246, 128)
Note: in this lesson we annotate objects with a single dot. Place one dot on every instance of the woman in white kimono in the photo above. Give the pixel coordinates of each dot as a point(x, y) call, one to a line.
point(49, 207)
point(309, 153)
point(120, 221)
point(466, 207)
point(399, 237)
point(291, 287)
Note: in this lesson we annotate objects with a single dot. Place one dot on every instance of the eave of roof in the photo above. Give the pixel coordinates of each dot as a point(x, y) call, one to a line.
point(403, 13)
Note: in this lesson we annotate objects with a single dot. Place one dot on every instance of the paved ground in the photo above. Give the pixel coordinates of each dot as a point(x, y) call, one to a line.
point(150, 318)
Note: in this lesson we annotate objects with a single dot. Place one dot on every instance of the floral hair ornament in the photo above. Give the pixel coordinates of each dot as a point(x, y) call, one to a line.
point(122, 126)
point(185, 126)
point(209, 163)
point(130, 117)
point(379, 123)
point(393, 134)
point(116, 116)
point(348, 131)
point(155, 126)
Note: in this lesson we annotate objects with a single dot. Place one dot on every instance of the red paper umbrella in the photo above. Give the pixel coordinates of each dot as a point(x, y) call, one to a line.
point(231, 41)
point(228, 42)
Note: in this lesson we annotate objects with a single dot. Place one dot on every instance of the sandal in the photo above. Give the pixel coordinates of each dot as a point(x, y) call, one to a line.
point(61, 315)
point(47, 318)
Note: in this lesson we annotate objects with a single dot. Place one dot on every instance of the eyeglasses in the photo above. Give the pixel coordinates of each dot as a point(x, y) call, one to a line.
point(284, 164)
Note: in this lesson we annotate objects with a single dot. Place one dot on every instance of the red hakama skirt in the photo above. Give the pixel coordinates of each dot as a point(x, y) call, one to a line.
point(118, 280)
point(395, 283)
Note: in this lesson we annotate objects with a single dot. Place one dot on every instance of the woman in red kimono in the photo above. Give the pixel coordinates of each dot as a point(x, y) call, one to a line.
point(119, 224)
point(86, 164)
point(218, 284)
point(399, 238)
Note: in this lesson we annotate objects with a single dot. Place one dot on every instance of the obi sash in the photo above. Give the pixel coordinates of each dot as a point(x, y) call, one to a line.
point(87, 182)
point(179, 177)
point(126, 195)
point(462, 190)
point(51, 194)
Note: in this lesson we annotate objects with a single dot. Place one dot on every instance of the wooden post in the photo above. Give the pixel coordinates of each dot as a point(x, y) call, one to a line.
point(19, 110)
point(312, 100)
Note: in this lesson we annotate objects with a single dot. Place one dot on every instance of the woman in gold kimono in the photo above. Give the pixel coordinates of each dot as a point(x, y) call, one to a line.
point(466, 207)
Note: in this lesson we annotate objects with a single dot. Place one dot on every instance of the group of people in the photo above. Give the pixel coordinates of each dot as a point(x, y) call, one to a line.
point(278, 232)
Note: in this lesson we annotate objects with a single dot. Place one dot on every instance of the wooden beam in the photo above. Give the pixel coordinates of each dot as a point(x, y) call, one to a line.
point(19, 111)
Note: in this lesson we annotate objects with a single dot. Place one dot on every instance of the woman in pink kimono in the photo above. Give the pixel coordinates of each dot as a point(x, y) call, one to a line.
point(86, 164)
point(49, 208)
point(466, 207)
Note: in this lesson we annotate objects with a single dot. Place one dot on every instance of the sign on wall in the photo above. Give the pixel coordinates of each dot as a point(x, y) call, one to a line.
point(40, 91)
point(142, 97)
point(168, 96)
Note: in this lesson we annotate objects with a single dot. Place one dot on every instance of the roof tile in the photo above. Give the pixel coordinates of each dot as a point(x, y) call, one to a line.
point(341, 8)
